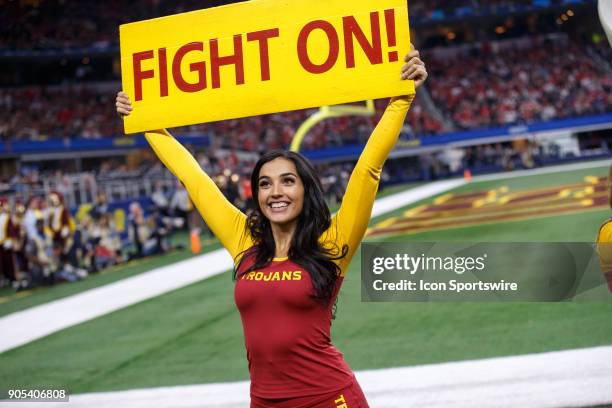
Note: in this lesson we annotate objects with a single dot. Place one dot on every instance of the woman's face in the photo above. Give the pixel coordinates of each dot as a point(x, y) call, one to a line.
point(281, 191)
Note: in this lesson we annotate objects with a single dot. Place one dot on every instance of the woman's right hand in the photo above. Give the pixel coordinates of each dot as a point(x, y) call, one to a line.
point(123, 104)
point(414, 68)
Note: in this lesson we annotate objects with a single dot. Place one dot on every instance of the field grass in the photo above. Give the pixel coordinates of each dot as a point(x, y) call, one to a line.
point(194, 334)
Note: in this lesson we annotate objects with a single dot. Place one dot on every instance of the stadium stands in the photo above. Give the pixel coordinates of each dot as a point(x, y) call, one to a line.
point(474, 86)
point(86, 110)
point(524, 80)
point(519, 81)
point(57, 24)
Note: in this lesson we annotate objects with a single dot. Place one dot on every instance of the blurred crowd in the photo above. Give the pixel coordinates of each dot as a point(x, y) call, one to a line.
point(485, 158)
point(39, 243)
point(276, 131)
point(530, 81)
point(482, 85)
point(439, 9)
point(42, 243)
point(48, 24)
point(38, 113)
point(88, 111)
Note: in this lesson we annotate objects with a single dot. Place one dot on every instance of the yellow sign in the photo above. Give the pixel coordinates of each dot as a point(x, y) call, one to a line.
point(262, 56)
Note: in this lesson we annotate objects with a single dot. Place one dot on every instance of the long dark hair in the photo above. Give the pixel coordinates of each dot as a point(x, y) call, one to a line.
point(313, 221)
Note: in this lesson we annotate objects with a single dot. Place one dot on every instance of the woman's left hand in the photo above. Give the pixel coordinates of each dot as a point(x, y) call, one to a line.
point(414, 68)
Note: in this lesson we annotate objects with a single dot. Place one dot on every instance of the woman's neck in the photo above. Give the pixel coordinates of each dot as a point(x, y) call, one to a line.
point(283, 235)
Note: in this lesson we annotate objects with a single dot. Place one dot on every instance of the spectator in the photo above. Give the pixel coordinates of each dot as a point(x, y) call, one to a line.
point(138, 231)
point(18, 241)
point(7, 264)
point(160, 199)
point(181, 206)
point(100, 208)
point(43, 263)
point(147, 236)
point(108, 249)
point(34, 204)
point(62, 226)
point(82, 252)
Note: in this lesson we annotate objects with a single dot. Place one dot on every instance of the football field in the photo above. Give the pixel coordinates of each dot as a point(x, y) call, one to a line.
point(193, 334)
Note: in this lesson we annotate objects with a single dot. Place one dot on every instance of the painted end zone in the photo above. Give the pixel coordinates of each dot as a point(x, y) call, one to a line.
point(498, 205)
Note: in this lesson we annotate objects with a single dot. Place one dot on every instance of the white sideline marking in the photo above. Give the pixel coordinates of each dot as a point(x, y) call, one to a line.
point(31, 324)
point(570, 378)
point(39, 321)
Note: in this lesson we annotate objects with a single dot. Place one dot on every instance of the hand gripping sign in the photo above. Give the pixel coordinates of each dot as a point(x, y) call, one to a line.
point(262, 56)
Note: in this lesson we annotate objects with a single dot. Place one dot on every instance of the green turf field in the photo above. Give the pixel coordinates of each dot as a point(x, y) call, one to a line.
point(194, 335)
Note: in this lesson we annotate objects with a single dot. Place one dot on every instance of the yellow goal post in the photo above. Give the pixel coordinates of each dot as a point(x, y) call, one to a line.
point(327, 112)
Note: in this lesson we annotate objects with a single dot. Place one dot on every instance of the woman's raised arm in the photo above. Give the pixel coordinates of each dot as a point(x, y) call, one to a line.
point(225, 220)
point(351, 220)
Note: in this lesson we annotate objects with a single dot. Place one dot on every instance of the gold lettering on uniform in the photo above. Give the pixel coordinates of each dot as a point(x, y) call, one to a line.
point(341, 400)
point(273, 276)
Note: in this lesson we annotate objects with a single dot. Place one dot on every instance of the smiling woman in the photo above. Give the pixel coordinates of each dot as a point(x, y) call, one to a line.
point(279, 190)
point(291, 256)
point(288, 221)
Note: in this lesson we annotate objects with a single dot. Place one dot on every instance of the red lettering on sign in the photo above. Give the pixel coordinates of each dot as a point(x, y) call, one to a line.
point(391, 37)
point(302, 46)
point(199, 67)
point(352, 29)
point(264, 59)
point(163, 72)
point(139, 74)
point(353, 35)
point(236, 59)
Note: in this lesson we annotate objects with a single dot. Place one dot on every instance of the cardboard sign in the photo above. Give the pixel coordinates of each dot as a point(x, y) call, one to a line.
point(262, 56)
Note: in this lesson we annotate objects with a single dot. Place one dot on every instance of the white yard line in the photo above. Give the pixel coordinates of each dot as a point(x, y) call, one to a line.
point(570, 378)
point(31, 324)
point(39, 321)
